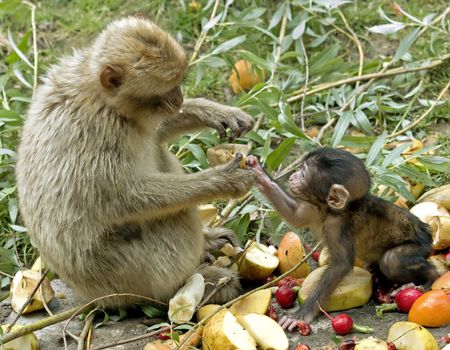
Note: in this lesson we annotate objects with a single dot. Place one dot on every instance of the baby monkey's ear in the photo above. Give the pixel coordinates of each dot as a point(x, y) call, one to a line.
point(111, 77)
point(338, 197)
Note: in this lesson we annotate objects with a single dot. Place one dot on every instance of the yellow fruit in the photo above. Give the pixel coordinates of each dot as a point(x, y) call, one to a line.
point(224, 153)
point(442, 283)
point(371, 344)
point(440, 230)
point(25, 342)
point(290, 252)
point(354, 290)
point(223, 332)
point(411, 336)
point(258, 263)
point(207, 213)
point(257, 302)
point(244, 76)
point(205, 311)
point(439, 195)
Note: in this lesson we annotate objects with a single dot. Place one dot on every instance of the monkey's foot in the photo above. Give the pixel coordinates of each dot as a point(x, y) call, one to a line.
point(216, 238)
point(221, 284)
point(288, 323)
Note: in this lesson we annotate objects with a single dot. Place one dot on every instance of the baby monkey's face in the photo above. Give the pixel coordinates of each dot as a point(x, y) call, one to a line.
point(297, 182)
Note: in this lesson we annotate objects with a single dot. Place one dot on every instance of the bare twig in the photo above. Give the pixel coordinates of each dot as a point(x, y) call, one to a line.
point(87, 326)
point(35, 50)
point(358, 44)
point(127, 341)
point(217, 287)
point(30, 297)
point(425, 114)
point(305, 87)
point(203, 34)
point(298, 95)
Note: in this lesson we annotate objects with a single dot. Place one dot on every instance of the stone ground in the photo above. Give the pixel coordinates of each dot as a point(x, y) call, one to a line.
point(50, 338)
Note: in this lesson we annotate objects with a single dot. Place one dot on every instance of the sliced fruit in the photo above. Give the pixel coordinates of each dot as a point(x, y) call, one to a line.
point(205, 311)
point(371, 344)
point(290, 252)
point(439, 263)
point(257, 302)
point(207, 213)
point(267, 332)
point(25, 342)
point(439, 195)
point(442, 282)
point(426, 210)
point(23, 285)
point(429, 309)
point(38, 265)
point(224, 332)
point(224, 153)
point(258, 263)
point(411, 336)
point(354, 290)
point(440, 230)
point(182, 305)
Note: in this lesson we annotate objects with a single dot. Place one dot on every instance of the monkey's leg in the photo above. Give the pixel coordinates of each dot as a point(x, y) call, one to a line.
point(199, 113)
point(408, 263)
point(341, 245)
point(221, 284)
point(216, 238)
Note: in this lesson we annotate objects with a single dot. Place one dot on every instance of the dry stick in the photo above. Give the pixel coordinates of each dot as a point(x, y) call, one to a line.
point(66, 315)
point(203, 34)
point(19, 314)
point(35, 50)
point(425, 114)
point(264, 286)
point(378, 75)
point(358, 44)
point(31, 327)
point(302, 105)
point(127, 341)
point(87, 326)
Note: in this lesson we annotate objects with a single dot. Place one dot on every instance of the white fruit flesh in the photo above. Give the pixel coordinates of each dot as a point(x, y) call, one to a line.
point(257, 302)
point(258, 262)
point(268, 334)
point(371, 344)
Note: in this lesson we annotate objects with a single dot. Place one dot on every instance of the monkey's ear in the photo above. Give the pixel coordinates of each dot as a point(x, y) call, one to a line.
point(338, 197)
point(111, 77)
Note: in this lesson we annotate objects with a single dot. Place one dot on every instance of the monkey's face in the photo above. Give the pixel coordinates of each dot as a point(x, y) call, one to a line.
point(141, 68)
point(297, 183)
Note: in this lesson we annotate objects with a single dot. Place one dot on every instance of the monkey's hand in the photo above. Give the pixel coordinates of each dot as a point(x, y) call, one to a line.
point(233, 181)
point(263, 181)
point(232, 118)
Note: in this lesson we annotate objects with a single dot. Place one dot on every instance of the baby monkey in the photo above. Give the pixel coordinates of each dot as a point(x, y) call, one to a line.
point(330, 195)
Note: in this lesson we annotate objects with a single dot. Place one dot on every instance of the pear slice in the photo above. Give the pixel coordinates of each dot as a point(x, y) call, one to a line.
point(205, 311)
point(258, 263)
point(257, 302)
point(411, 336)
point(371, 343)
point(207, 213)
point(223, 332)
point(267, 332)
point(354, 290)
point(25, 342)
point(23, 285)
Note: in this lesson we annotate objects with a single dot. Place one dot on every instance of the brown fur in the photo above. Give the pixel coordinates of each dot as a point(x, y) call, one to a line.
point(107, 205)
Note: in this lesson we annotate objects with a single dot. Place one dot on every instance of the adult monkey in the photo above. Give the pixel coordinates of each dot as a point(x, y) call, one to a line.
point(105, 202)
point(330, 194)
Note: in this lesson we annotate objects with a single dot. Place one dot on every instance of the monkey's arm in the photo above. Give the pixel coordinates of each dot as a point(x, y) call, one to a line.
point(297, 213)
point(341, 245)
point(161, 194)
point(199, 113)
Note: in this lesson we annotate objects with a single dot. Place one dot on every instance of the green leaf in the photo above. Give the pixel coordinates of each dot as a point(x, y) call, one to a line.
point(151, 311)
point(394, 154)
point(279, 154)
point(214, 62)
point(376, 149)
point(8, 261)
point(105, 319)
point(405, 44)
point(413, 173)
point(289, 125)
point(266, 147)
point(439, 164)
point(341, 126)
point(18, 228)
point(228, 45)
point(240, 226)
point(324, 58)
point(276, 18)
point(7, 114)
point(23, 46)
point(121, 316)
point(198, 153)
point(363, 121)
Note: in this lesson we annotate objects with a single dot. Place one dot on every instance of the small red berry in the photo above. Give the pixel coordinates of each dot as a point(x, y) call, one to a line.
point(285, 297)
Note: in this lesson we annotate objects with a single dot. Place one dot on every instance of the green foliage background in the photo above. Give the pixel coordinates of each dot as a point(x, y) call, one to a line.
point(302, 45)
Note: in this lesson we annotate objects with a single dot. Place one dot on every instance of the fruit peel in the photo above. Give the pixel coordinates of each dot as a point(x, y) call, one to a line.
point(411, 336)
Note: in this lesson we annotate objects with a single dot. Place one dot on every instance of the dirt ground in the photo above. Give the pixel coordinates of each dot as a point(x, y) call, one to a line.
point(51, 338)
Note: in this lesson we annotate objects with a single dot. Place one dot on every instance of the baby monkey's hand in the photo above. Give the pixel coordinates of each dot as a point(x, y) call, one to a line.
point(263, 181)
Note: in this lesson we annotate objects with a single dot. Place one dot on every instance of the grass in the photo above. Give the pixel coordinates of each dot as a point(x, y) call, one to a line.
point(332, 55)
